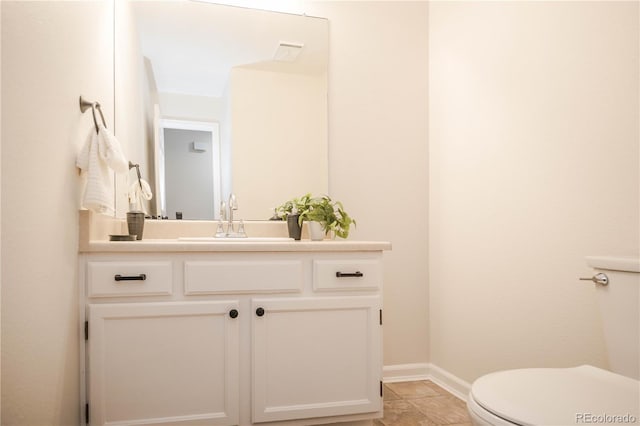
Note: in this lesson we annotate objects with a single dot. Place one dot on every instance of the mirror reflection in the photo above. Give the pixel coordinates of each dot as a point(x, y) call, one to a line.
point(234, 99)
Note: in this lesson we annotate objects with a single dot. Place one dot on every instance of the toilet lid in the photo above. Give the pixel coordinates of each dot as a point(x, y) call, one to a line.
point(559, 396)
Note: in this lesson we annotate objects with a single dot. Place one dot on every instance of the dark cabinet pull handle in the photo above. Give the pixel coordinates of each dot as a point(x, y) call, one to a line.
point(349, 274)
point(140, 277)
point(259, 312)
point(233, 313)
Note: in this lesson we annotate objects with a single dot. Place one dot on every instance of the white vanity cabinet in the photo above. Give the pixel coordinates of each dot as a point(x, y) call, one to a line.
point(152, 362)
point(315, 357)
point(231, 338)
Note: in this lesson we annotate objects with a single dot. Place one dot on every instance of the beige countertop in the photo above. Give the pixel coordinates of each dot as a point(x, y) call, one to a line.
point(173, 245)
point(163, 236)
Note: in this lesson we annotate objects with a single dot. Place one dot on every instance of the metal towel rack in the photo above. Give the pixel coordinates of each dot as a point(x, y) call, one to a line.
point(85, 105)
point(137, 167)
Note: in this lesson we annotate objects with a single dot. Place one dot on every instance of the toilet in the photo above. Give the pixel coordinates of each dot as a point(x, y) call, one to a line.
point(583, 394)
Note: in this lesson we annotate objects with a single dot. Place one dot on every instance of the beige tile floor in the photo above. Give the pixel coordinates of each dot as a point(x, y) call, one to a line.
point(421, 403)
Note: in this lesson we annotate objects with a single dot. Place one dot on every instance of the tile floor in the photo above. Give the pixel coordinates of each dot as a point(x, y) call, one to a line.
point(421, 403)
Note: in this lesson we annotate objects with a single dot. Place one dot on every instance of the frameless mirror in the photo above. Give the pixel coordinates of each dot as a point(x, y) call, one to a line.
point(218, 99)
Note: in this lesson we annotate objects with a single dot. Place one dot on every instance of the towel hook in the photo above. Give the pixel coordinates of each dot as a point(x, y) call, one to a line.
point(85, 105)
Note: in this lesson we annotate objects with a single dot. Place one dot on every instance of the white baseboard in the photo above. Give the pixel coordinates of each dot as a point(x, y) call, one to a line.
point(405, 372)
point(426, 371)
point(449, 382)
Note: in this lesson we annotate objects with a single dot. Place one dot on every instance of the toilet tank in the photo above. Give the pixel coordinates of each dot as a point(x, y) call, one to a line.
point(619, 303)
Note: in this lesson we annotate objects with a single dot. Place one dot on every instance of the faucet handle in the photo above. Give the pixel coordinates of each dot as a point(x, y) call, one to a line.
point(220, 230)
point(223, 211)
point(241, 232)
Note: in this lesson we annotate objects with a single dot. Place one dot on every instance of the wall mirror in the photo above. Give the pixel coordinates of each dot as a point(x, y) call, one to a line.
point(257, 78)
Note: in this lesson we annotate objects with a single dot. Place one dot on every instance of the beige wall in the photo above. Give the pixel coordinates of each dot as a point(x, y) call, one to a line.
point(132, 125)
point(534, 164)
point(277, 118)
point(378, 150)
point(52, 52)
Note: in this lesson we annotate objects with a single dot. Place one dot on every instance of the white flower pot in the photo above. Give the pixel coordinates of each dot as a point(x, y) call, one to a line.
point(316, 233)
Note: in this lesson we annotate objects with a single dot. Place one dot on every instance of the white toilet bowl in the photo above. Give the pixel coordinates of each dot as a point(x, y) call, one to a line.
point(579, 395)
point(554, 396)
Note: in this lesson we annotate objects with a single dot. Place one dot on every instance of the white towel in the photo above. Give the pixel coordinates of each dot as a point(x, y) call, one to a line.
point(137, 194)
point(111, 151)
point(100, 152)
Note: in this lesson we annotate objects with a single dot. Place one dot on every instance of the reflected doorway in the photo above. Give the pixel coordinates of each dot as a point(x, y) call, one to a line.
point(190, 169)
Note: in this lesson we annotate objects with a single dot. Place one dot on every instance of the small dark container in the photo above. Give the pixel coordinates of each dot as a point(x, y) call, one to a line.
point(295, 230)
point(122, 237)
point(135, 223)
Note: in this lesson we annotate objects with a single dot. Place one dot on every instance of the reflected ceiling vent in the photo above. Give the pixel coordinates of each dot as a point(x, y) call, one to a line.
point(198, 147)
point(287, 51)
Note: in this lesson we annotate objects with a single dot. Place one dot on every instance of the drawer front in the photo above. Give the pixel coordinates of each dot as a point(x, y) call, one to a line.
point(348, 274)
point(112, 279)
point(242, 276)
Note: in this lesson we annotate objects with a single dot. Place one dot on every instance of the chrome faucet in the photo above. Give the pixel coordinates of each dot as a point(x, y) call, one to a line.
point(226, 214)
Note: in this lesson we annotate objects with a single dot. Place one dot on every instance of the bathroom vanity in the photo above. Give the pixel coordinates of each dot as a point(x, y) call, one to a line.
point(231, 333)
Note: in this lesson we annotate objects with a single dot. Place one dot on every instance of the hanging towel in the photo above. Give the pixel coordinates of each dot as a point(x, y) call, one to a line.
point(100, 152)
point(138, 191)
point(111, 151)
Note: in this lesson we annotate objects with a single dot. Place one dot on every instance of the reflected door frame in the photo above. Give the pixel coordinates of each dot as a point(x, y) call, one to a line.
point(204, 126)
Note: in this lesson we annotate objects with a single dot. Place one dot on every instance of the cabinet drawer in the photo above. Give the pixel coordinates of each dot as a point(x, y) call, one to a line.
point(348, 274)
point(242, 276)
point(109, 279)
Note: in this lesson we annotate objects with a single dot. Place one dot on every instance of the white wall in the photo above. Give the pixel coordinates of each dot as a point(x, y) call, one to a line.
point(191, 108)
point(52, 52)
point(534, 151)
point(378, 150)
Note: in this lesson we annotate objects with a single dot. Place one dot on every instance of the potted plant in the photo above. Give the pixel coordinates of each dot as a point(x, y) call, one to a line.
point(328, 215)
point(290, 211)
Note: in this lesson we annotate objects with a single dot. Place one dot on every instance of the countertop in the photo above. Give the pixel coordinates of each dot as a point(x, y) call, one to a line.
point(173, 245)
point(161, 236)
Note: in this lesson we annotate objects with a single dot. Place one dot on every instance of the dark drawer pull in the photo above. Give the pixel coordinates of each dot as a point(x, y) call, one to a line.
point(140, 277)
point(349, 274)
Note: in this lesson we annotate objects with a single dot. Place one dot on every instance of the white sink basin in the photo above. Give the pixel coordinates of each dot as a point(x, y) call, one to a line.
point(236, 240)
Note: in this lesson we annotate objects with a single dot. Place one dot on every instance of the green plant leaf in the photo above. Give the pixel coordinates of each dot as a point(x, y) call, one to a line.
point(323, 209)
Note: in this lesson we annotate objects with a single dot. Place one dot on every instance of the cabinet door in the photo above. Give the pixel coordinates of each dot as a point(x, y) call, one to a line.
point(315, 357)
point(153, 363)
